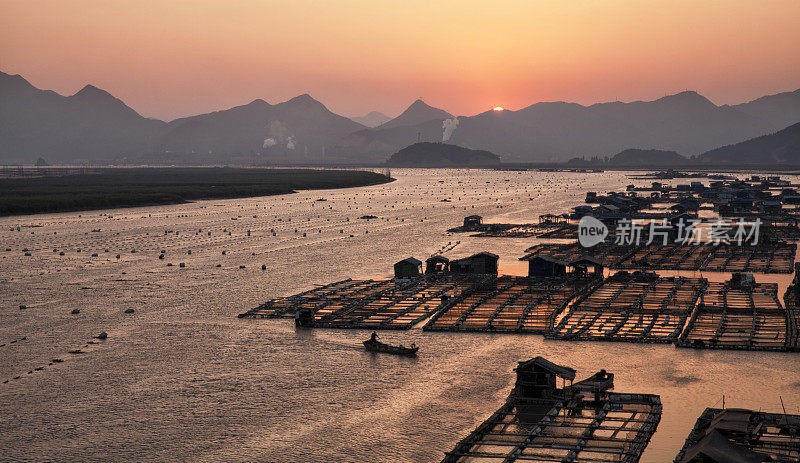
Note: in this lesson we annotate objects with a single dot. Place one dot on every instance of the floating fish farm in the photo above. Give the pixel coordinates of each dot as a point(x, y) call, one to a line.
point(738, 435)
point(633, 308)
point(509, 304)
point(740, 316)
point(578, 422)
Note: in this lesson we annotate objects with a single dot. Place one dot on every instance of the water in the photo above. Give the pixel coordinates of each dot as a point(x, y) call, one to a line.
point(183, 378)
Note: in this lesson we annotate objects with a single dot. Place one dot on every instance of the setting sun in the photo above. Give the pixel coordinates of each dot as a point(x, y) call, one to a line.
point(497, 108)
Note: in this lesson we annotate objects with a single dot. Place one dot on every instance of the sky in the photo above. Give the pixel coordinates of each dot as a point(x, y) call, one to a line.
point(168, 59)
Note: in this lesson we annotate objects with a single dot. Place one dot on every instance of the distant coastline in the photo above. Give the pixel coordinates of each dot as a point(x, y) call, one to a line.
point(103, 188)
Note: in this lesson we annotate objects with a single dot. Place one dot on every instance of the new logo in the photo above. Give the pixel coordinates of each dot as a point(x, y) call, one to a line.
point(591, 231)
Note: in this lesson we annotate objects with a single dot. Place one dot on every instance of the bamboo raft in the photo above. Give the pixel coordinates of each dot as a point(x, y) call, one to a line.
point(742, 435)
point(632, 308)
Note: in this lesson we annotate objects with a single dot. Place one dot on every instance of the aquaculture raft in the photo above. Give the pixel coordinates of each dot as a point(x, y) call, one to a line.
point(608, 254)
point(768, 257)
point(548, 231)
point(581, 422)
point(729, 316)
point(633, 308)
point(396, 303)
point(742, 435)
point(509, 304)
point(399, 304)
point(323, 294)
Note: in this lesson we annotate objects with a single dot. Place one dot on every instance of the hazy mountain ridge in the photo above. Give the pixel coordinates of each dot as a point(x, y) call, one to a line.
point(782, 147)
point(686, 122)
point(295, 130)
point(418, 113)
point(94, 126)
point(87, 125)
point(372, 119)
point(779, 110)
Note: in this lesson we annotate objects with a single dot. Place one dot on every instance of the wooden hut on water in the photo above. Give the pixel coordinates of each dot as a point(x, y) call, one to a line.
point(437, 264)
point(473, 221)
point(480, 263)
point(537, 378)
point(544, 265)
point(408, 268)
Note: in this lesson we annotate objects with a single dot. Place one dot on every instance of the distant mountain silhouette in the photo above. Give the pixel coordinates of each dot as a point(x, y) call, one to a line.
point(428, 154)
point(297, 130)
point(372, 119)
point(645, 158)
point(94, 126)
point(779, 110)
point(782, 147)
point(418, 113)
point(419, 122)
point(86, 126)
point(686, 123)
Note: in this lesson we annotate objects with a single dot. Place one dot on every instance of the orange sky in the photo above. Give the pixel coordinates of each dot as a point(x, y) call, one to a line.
point(168, 59)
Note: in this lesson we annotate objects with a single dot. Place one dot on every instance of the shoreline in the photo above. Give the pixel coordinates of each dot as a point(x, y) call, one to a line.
point(115, 188)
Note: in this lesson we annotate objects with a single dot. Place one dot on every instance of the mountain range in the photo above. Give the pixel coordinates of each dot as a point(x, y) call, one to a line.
point(686, 123)
point(93, 126)
point(372, 119)
point(782, 147)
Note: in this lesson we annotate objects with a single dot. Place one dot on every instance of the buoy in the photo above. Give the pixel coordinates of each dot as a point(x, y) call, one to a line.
point(76, 311)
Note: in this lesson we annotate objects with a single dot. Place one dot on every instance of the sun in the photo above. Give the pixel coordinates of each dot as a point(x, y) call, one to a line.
point(497, 108)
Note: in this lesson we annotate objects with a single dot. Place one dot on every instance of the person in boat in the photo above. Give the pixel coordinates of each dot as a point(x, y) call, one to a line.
point(374, 337)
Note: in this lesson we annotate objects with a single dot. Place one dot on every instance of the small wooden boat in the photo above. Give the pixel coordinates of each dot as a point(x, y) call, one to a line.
point(377, 346)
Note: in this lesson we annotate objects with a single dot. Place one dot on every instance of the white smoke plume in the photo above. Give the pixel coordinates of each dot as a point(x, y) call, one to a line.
point(449, 126)
point(290, 143)
point(269, 142)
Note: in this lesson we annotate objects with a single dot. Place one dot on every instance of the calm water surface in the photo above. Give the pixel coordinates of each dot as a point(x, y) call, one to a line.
point(183, 378)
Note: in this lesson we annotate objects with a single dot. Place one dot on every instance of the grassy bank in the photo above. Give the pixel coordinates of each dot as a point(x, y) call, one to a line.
point(126, 187)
